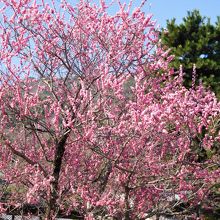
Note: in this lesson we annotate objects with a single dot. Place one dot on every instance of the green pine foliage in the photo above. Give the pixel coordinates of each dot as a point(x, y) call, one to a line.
point(195, 41)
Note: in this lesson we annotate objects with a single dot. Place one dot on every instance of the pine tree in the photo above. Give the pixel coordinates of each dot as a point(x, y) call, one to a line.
point(195, 41)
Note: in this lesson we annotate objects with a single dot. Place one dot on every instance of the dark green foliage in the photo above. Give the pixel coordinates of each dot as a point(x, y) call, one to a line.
point(195, 41)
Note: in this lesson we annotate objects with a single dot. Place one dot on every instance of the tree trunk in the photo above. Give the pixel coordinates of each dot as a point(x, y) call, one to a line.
point(127, 205)
point(52, 208)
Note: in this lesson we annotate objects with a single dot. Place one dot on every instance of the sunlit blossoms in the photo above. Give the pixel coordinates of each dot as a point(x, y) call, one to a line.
point(93, 121)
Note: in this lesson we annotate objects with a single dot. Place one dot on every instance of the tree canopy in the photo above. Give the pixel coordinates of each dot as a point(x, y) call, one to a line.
point(77, 135)
point(195, 41)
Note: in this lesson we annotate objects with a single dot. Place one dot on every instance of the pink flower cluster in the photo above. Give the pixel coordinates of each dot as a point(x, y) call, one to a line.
point(91, 116)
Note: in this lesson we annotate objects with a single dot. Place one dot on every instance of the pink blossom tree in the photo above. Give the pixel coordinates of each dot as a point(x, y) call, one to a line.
point(92, 118)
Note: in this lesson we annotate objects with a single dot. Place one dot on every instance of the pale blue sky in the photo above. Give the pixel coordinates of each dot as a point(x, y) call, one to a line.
point(167, 9)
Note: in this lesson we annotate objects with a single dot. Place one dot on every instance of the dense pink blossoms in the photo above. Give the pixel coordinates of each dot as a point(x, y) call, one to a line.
point(92, 118)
